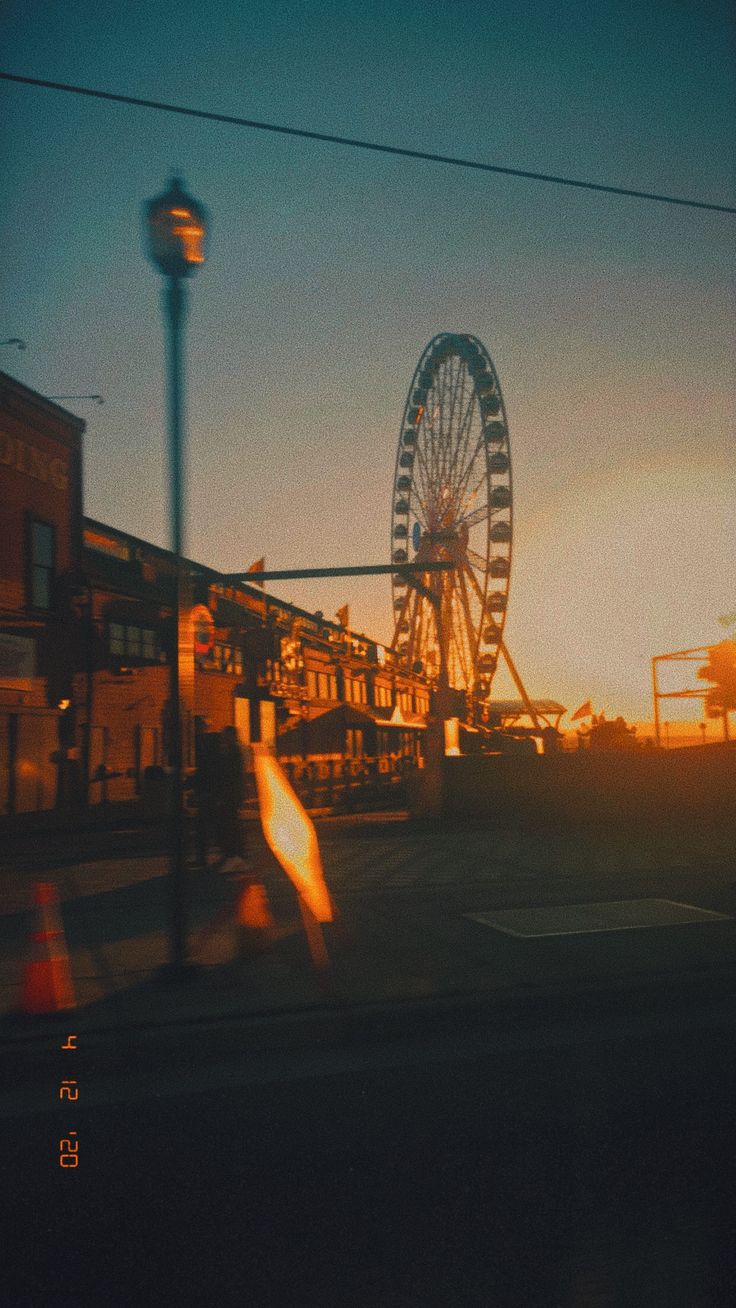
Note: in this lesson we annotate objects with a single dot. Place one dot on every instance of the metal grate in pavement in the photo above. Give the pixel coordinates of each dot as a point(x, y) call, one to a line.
point(585, 919)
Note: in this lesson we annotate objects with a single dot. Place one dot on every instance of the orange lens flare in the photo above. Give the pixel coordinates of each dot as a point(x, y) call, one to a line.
point(452, 736)
point(192, 241)
point(290, 833)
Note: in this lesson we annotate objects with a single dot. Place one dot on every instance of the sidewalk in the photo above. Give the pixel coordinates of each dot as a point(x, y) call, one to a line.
point(405, 951)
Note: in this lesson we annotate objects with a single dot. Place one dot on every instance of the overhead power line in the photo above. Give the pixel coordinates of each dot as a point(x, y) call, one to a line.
point(357, 144)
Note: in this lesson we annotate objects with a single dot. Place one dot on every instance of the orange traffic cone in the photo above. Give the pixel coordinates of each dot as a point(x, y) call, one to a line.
point(46, 985)
point(255, 919)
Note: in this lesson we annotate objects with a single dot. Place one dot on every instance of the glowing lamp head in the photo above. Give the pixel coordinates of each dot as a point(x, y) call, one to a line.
point(176, 229)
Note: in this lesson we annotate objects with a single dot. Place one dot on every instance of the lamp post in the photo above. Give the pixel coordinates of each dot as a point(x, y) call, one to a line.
point(175, 230)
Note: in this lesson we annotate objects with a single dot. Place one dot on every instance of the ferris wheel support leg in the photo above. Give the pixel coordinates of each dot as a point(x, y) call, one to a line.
point(520, 686)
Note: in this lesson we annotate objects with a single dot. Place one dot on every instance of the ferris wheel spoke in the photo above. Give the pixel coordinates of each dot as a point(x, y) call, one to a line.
point(481, 565)
point(482, 481)
point(461, 445)
point(453, 628)
point(438, 448)
point(415, 493)
point(426, 433)
point(467, 397)
point(413, 626)
point(464, 432)
point(439, 426)
point(400, 617)
point(434, 410)
point(426, 475)
point(426, 622)
point(475, 564)
point(473, 462)
point(475, 515)
point(472, 628)
point(421, 472)
point(424, 517)
point(470, 496)
point(446, 420)
point(463, 629)
point(462, 427)
point(421, 634)
point(458, 386)
point(404, 617)
point(421, 518)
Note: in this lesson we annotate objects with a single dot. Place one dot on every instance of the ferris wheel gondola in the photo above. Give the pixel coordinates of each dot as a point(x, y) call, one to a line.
point(452, 502)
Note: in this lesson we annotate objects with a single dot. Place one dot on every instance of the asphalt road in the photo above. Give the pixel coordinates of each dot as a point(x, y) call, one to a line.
point(407, 895)
point(584, 1164)
point(467, 1119)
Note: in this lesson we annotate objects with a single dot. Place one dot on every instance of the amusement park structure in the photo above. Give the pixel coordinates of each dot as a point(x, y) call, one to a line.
point(88, 631)
point(452, 502)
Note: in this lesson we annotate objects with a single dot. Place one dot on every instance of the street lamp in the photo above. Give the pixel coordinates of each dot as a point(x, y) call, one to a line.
point(175, 229)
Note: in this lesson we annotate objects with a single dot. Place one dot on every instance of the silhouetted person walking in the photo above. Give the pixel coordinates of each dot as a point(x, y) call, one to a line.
point(206, 783)
point(230, 793)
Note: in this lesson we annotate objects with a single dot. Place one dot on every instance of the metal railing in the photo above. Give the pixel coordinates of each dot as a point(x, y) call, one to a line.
point(348, 783)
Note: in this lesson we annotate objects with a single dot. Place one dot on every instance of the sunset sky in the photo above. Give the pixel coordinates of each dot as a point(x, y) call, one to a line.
point(610, 320)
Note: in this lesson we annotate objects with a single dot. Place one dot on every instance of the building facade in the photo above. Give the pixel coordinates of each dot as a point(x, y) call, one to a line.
point(319, 695)
point(88, 631)
point(40, 573)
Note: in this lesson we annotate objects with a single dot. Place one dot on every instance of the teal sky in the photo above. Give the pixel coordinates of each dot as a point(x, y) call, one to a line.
point(610, 321)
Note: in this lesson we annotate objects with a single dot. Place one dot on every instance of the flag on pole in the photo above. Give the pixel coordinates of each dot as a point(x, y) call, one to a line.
point(343, 615)
point(258, 566)
point(585, 711)
point(290, 833)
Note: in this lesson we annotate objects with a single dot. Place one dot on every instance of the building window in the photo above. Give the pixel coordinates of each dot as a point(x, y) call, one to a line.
point(133, 642)
point(354, 742)
point(321, 685)
point(229, 658)
point(117, 639)
point(43, 543)
point(356, 690)
point(130, 642)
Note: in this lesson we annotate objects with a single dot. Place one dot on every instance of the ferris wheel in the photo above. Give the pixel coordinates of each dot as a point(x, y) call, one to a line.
point(452, 501)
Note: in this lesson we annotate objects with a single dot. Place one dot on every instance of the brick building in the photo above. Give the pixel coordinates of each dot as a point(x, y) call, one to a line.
point(87, 634)
point(40, 561)
point(278, 673)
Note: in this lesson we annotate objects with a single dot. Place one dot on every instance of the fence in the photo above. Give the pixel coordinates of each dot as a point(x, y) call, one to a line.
point(348, 783)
